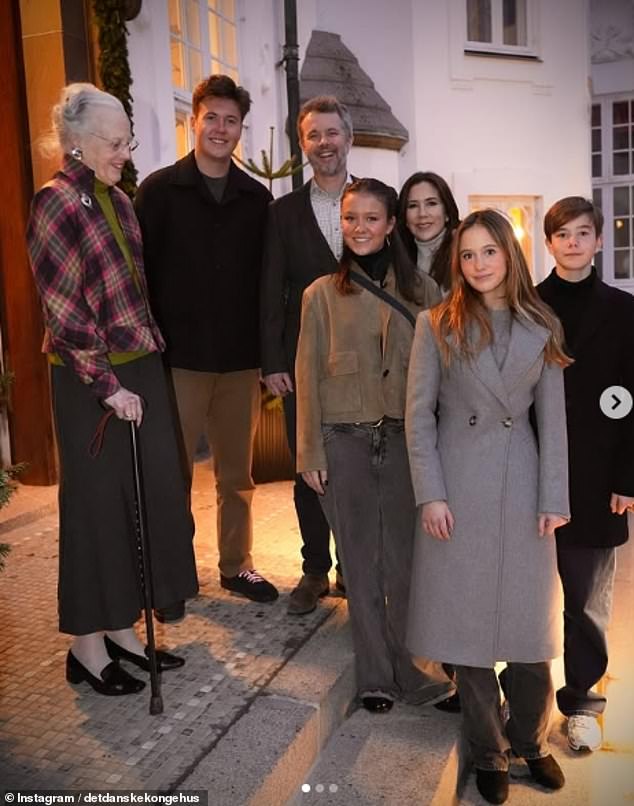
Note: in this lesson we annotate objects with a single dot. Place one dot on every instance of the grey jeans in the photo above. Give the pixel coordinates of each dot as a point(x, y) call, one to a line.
point(369, 503)
point(529, 690)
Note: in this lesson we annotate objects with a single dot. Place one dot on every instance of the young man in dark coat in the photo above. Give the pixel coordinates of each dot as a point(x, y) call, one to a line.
point(203, 222)
point(303, 243)
point(598, 323)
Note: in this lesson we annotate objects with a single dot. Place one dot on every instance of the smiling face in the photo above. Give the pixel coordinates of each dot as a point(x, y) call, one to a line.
point(574, 246)
point(326, 144)
point(483, 265)
point(217, 128)
point(105, 143)
point(364, 223)
point(425, 213)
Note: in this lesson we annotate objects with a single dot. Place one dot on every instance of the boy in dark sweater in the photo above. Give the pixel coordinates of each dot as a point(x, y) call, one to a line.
point(598, 323)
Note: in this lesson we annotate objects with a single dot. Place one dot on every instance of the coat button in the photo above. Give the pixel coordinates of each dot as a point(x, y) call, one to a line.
point(473, 419)
point(386, 372)
point(508, 422)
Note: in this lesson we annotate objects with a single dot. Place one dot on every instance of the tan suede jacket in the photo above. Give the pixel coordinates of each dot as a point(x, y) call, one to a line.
point(352, 361)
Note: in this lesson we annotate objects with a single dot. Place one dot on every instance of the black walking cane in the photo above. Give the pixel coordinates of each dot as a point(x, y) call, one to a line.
point(145, 572)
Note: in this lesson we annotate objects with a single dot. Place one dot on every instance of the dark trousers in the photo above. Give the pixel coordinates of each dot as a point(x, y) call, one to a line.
point(529, 690)
point(587, 576)
point(370, 503)
point(313, 525)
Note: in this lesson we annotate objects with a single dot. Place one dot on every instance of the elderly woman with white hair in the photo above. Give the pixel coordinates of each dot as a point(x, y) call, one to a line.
point(104, 349)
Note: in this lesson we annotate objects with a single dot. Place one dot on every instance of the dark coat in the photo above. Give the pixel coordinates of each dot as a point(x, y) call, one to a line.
point(296, 254)
point(203, 261)
point(601, 450)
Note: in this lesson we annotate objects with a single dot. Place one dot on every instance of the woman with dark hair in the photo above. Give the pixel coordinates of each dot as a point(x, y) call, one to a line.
point(427, 218)
point(351, 372)
point(491, 494)
point(104, 348)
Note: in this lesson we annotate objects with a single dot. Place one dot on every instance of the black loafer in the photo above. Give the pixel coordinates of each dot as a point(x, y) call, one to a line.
point(164, 660)
point(546, 772)
point(378, 705)
point(113, 681)
point(171, 614)
point(451, 705)
point(493, 785)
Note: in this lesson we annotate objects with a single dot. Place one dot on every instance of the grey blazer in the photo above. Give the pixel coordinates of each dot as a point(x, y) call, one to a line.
point(492, 591)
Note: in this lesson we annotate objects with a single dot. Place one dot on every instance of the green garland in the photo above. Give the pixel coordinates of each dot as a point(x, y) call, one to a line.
point(114, 68)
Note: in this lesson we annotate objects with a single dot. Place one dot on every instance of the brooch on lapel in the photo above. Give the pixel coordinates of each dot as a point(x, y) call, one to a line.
point(85, 199)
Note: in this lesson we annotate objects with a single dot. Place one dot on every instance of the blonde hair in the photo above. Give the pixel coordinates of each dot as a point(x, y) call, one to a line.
point(463, 306)
point(71, 115)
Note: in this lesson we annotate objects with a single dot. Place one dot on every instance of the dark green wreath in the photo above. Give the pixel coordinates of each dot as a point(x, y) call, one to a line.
point(114, 68)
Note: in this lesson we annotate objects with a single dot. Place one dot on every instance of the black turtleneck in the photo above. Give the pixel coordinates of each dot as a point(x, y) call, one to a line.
point(571, 302)
point(376, 264)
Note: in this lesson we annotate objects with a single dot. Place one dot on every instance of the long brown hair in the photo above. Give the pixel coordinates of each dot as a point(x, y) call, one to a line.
point(450, 320)
point(440, 269)
point(410, 284)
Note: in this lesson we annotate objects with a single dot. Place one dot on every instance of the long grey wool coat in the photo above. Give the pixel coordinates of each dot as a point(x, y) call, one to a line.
point(491, 593)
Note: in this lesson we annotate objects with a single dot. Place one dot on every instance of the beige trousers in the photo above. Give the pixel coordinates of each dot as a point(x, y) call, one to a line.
point(225, 406)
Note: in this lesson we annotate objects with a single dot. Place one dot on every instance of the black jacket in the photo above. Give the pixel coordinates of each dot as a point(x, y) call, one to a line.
point(203, 262)
point(296, 254)
point(601, 450)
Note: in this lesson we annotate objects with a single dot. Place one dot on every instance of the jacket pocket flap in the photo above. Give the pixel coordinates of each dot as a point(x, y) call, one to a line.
point(343, 363)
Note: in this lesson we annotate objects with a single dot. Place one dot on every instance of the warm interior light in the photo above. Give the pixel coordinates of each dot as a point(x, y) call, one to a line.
point(619, 223)
point(516, 214)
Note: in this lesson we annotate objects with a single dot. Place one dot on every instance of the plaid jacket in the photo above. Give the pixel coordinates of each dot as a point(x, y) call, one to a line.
point(91, 303)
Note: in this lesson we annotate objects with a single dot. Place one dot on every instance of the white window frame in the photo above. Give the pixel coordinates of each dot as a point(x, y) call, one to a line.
point(605, 184)
point(183, 95)
point(497, 47)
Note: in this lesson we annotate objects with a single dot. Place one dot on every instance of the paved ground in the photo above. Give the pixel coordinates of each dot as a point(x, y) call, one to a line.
point(250, 674)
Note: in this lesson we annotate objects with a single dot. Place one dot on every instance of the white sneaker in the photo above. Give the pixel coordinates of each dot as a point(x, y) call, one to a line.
point(584, 732)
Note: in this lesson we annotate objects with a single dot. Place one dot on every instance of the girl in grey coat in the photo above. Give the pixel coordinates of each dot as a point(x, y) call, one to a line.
point(484, 585)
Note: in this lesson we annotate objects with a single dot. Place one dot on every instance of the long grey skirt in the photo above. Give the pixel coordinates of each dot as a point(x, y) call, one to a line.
point(98, 564)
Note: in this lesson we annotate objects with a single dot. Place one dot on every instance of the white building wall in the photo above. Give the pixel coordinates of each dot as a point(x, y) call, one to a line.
point(153, 102)
point(498, 126)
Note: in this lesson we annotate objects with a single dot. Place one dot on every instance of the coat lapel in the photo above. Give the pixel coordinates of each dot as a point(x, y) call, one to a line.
point(525, 345)
point(311, 234)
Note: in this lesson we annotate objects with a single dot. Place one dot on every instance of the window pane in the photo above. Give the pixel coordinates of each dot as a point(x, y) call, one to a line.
point(226, 8)
point(621, 201)
point(596, 114)
point(620, 137)
point(621, 232)
point(621, 163)
point(175, 22)
point(230, 53)
point(596, 196)
point(479, 20)
point(596, 139)
point(214, 35)
point(193, 23)
point(178, 79)
point(195, 68)
point(622, 264)
point(596, 165)
point(620, 112)
point(514, 22)
point(182, 145)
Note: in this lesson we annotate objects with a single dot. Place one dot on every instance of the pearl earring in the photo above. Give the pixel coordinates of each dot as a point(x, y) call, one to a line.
point(77, 153)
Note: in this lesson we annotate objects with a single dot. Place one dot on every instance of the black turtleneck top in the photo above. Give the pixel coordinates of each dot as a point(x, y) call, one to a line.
point(376, 264)
point(571, 302)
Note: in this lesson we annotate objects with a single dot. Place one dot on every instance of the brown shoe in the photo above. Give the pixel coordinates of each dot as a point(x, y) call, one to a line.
point(303, 598)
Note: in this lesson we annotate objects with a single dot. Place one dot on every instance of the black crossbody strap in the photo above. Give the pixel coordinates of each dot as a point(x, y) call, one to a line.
point(364, 281)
